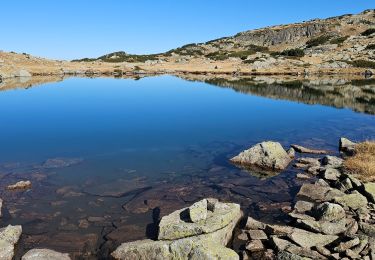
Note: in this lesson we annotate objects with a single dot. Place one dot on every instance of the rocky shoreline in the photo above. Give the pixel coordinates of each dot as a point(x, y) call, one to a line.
point(333, 217)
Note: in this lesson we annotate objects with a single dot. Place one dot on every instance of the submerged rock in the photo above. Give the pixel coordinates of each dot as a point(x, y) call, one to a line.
point(265, 155)
point(181, 239)
point(44, 254)
point(9, 237)
point(55, 163)
point(21, 185)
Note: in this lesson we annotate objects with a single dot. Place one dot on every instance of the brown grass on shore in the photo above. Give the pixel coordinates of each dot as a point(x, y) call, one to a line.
point(362, 164)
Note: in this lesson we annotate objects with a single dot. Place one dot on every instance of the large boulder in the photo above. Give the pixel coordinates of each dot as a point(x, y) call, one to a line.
point(178, 224)
point(266, 155)
point(9, 237)
point(44, 254)
point(180, 238)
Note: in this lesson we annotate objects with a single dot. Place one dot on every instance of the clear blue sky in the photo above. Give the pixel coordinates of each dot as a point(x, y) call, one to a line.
point(67, 29)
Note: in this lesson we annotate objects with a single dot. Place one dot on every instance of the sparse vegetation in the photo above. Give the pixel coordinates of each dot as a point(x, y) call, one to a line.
point(368, 32)
point(290, 53)
point(339, 40)
point(318, 41)
point(363, 64)
point(362, 164)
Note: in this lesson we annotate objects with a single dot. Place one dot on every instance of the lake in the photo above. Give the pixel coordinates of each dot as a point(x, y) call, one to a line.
point(108, 157)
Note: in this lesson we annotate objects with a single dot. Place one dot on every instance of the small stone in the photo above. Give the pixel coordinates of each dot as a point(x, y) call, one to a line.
point(345, 185)
point(335, 256)
point(83, 223)
point(322, 250)
point(368, 229)
point(355, 200)
point(21, 185)
point(351, 228)
point(257, 235)
point(332, 161)
point(362, 244)
point(331, 174)
point(254, 224)
point(278, 230)
point(239, 240)
point(44, 254)
point(303, 176)
point(198, 211)
point(280, 244)
point(255, 245)
point(329, 212)
point(343, 246)
point(303, 206)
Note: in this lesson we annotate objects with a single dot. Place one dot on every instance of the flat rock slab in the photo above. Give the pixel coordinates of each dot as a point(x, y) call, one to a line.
point(117, 189)
point(44, 254)
point(308, 239)
point(302, 149)
point(56, 163)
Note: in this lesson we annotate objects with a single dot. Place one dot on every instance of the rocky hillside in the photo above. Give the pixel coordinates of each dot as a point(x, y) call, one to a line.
point(337, 45)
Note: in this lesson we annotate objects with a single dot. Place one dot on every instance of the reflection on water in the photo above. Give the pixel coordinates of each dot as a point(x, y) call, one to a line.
point(129, 152)
point(356, 94)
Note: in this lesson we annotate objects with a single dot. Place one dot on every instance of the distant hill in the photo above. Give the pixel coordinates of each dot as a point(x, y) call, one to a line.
point(292, 40)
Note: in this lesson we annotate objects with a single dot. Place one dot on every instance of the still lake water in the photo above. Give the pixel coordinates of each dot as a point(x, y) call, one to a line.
point(140, 149)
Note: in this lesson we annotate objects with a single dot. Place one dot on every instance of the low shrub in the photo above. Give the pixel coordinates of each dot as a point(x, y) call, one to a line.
point(339, 40)
point(318, 41)
point(368, 32)
point(363, 64)
point(292, 53)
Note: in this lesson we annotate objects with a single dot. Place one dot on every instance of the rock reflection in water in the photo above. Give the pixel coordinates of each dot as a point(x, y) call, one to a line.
point(357, 94)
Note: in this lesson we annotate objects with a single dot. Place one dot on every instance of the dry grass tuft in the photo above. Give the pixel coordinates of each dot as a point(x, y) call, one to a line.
point(362, 164)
